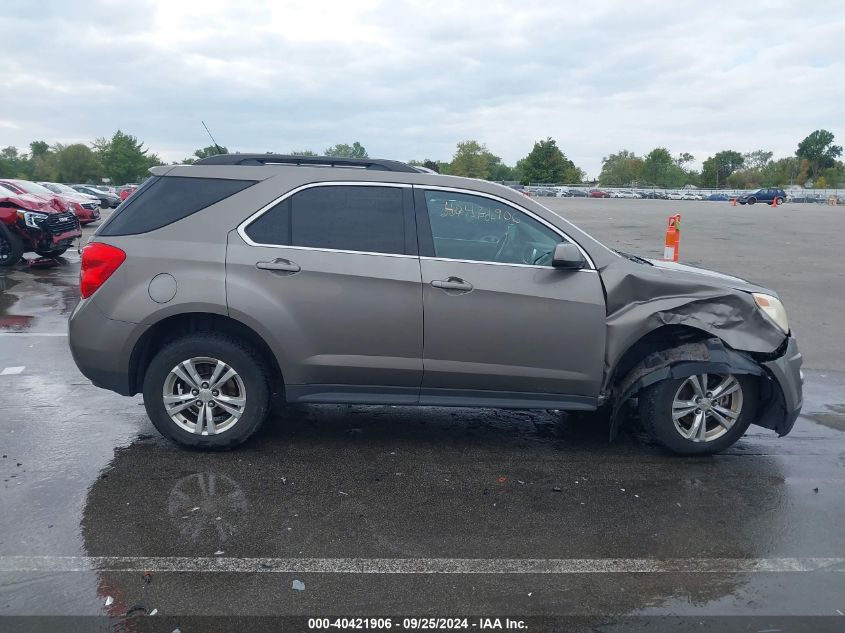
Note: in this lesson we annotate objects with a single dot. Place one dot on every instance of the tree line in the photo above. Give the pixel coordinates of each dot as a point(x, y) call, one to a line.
point(123, 158)
point(814, 164)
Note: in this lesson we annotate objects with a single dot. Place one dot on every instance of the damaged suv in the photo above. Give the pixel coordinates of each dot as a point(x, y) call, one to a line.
point(327, 280)
point(29, 223)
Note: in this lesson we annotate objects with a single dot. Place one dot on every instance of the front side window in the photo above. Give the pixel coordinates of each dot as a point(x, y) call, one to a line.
point(339, 217)
point(480, 229)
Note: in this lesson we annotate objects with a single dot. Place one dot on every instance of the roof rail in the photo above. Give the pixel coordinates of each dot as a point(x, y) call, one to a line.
point(306, 161)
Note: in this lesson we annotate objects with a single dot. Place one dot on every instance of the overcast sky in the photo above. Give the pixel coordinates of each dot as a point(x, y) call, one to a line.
point(410, 79)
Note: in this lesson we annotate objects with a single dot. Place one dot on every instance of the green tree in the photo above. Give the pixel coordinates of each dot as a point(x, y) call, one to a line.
point(683, 159)
point(757, 159)
point(13, 164)
point(205, 152)
point(472, 160)
point(546, 163)
point(123, 158)
point(342, 150)
point(660, 169)
point(621, 169)
point(74, 163)
point(717, 168)
point(819, 150)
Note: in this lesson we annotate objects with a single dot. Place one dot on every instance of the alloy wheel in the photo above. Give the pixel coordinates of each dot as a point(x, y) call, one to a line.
point(706, 406)
point(204, 396)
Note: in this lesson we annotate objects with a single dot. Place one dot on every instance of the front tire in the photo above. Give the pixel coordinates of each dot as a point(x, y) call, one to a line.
point(699, 415)
point(207, 390)
point(56, 252)
point(752, 200)
point(11, 248)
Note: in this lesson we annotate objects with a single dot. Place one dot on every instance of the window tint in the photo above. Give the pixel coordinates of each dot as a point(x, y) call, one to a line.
point(350, 218)
point(273, 226)
point(481, 229)
point(164, 200)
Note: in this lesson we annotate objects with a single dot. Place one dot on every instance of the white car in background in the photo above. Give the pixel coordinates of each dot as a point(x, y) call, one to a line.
point(675, 195)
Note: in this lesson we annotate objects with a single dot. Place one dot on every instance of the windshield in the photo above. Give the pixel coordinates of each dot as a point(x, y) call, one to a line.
point(31, 187)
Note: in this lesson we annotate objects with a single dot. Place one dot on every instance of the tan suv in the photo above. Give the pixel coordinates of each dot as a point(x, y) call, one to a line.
point(375, 282)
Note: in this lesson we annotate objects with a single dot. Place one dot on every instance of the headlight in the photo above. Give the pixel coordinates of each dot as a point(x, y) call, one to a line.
point(772, 308)
point(30, 218)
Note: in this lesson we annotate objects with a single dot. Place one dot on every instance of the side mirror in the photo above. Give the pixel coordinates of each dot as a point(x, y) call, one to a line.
point(567, 256)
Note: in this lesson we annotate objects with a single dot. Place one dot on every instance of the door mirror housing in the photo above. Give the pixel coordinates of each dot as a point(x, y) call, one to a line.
point(567, 256)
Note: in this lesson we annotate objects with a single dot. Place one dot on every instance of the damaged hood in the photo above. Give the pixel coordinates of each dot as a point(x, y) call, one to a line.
point(732, 282)
point(642, 297)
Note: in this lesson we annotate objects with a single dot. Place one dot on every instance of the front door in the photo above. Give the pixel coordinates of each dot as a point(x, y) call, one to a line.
point(331, 276)
point(499, 321)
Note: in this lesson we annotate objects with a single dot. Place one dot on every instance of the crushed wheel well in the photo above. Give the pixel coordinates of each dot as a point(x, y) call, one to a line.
point(179, 325)
point(663, 338)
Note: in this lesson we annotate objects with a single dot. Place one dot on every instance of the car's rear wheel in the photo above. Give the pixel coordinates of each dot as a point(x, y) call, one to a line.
point(11, 248)
point(207, 390)
point(700, 414)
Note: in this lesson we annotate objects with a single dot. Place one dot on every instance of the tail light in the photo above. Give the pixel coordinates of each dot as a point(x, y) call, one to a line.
point(99, 261)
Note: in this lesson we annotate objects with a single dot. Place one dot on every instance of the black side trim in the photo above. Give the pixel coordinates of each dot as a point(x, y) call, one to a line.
point(375, 394)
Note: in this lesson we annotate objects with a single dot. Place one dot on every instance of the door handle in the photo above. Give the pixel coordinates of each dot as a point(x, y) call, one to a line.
point(281, 265)
point(453, 283)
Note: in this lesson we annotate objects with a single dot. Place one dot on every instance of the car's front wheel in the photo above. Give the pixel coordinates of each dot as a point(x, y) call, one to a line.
point(11, 248)
point(752, 200)
point(700, 414)
point(207, 390)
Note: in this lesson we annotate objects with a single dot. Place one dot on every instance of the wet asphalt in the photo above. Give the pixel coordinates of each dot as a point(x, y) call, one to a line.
point(755, 532)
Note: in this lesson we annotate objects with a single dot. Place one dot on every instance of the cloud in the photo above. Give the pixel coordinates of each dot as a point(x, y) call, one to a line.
point(411, 79)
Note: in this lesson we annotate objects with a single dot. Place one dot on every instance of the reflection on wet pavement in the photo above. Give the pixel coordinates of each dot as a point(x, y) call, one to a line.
point(84, 474)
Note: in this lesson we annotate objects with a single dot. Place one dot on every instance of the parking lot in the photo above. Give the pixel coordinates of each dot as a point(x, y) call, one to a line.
point(434, 512)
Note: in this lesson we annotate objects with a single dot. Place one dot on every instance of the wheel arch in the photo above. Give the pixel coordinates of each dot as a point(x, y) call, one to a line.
point(659, 339)
point(178, 325)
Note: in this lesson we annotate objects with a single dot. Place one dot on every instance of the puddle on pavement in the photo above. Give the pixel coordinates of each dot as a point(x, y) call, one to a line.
point(38, 299)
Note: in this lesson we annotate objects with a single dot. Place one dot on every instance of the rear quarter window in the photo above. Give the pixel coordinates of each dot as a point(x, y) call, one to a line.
point(167, 199)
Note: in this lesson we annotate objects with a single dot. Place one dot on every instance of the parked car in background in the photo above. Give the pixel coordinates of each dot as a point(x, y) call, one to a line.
point(125, 191)
point(578, 193)
point(30, 223)
point(718, 197)
point(107, 198)
point(90, 205)
point(598, 193)
point(691, 195)
point(623, 193)
point(89, 212)
point(87, 209)
point(674, 195)
point(768, 195)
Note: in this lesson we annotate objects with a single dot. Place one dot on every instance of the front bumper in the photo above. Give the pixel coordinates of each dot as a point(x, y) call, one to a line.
point(786, 398)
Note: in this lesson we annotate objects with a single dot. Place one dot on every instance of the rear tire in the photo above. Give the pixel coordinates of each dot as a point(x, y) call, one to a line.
point(657, 404)
point(11, 248)
point(202, 350)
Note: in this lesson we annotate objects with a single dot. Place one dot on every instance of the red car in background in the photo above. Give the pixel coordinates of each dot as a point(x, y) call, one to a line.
point(86, 212)
point(32, 224)
point(125, 191)
point(598, 193)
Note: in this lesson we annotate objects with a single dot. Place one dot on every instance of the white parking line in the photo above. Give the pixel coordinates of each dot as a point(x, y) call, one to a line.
point(8, 371)
point(420, 565)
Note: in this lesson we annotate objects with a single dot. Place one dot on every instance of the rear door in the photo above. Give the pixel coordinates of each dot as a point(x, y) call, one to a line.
point(498, 317)
point(331, 275)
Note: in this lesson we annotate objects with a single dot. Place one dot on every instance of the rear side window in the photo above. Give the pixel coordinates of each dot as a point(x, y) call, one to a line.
point(164, 200)
point(350, 218)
